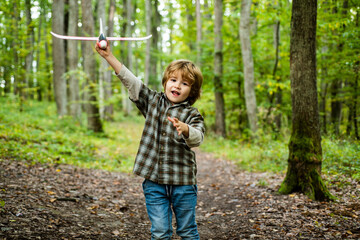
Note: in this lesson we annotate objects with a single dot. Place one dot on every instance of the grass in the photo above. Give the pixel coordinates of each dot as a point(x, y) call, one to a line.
point(37, 135)
point(341, 158)
point(262, 156)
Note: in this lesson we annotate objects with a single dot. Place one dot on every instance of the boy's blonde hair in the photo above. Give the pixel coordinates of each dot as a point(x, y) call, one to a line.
point(189, 72)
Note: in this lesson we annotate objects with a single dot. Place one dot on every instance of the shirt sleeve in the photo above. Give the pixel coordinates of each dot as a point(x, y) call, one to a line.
point(196, 130)
point(131, 82)
point(195, 138)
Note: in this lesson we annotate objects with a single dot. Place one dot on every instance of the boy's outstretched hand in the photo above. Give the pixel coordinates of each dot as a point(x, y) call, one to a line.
point(181, 128)
point(109, 57)
point(103, 52)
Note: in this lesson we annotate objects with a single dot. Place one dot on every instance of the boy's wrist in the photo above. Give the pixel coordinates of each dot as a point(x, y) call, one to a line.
point(186, 132)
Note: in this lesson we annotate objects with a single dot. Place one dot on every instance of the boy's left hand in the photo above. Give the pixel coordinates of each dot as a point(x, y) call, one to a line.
point(181, 128)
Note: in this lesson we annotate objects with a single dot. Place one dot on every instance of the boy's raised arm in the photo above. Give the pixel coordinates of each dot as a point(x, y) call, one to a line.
point(132, 83)
point(109, 57)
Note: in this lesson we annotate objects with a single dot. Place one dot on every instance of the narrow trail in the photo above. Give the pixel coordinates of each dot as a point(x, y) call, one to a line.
point(67, 202)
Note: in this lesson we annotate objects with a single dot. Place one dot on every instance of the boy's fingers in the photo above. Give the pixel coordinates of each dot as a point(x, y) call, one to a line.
point(173, 120)
point(170, 119)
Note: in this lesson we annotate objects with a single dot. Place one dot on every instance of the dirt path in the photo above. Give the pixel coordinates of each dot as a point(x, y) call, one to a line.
point(66, 202)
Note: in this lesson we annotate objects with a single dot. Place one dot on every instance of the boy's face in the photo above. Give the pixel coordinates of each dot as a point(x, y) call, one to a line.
point(177, 89)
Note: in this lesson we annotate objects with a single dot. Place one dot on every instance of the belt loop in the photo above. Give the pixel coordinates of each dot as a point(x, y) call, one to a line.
point(168, 189)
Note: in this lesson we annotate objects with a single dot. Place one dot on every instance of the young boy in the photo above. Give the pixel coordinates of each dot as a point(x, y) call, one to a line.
point(165, 159)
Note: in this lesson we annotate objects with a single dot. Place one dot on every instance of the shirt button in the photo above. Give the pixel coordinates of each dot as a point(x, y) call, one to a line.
point(163, 133)
point(162, 148)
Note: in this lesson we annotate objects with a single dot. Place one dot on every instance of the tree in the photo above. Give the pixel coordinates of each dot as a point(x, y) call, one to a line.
point(337, 84)
point(218, 71)
point(29, 48)
point(278, 93)
point(58, 53)
point(155, 23)
point(15, 45)
point(72, 53)
point(103, 63)
point(305, 153)
point(129, 56)
point(198, 33)
point(92, 109)
point(149, 41)
point(109, 109)
point(248, 62)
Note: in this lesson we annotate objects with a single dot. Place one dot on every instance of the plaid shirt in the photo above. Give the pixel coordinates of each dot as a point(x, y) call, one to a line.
point(163, 156)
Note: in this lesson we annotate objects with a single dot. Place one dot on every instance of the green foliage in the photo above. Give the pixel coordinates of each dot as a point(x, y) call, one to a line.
point(37, 135)
point(340, 157)
point(260, 156)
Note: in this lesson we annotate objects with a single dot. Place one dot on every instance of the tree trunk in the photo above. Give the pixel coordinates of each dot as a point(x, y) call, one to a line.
point(29, 52)
point(93, 116)
point(123, 53)
point(72, 52)
point(189, 21)
point(129, 17)
point(323, 93)
point(356, 85)
point(156, 20)
point(336, 85)
point(148, 42)
point(15, 46)
point(336, 105)
point(278, 93)
point(356, 99)
point(59, 58)
point(103, 64)
point(250, 97)
point(109, 108)
point(170, 24)
point(305, 153)
point(39, 85)
point(220, 128)
point(48, 87)
point(198, 33)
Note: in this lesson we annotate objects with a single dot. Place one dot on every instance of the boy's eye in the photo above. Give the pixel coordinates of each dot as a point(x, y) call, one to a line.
point(173, 79)
point(186, 84)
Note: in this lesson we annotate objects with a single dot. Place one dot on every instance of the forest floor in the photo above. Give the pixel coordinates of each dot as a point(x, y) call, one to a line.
point(67, 202)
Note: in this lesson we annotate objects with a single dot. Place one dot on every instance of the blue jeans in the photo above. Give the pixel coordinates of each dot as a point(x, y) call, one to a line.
point(159, 201)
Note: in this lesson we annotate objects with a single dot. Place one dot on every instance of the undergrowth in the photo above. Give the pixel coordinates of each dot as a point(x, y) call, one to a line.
point(341, 158)
point(37, 135)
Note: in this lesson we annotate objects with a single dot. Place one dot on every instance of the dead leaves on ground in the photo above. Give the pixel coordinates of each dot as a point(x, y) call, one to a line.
point(68, 202)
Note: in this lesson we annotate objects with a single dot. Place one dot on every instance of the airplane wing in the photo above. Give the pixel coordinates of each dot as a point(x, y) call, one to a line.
point(96, 38)
point(128, 38)
point(74, 37)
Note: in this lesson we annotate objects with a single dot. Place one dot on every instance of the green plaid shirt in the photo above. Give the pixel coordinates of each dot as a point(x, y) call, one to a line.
point(164, 156)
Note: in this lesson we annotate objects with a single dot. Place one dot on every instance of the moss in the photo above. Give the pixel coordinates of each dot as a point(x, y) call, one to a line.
point(304, 168)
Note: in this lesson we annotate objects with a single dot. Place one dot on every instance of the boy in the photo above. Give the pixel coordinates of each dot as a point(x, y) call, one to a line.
point(165, 159)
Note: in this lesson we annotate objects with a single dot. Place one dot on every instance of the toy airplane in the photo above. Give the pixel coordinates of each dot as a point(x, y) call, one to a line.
point(102, 40)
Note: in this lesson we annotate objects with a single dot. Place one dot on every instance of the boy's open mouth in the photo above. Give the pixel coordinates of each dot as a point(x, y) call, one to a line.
point(175, 93)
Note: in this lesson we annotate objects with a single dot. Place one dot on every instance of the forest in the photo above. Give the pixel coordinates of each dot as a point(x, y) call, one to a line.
point(183, 29)
point(280, 94)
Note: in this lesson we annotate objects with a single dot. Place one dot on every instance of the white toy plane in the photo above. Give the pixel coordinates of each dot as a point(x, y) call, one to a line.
point(102, 40)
